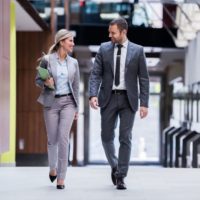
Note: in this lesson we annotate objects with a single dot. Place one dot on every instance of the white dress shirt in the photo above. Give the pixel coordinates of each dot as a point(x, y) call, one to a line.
point(122, 85)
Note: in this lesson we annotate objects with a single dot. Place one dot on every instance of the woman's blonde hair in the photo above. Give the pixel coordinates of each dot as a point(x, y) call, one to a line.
point(60, 35)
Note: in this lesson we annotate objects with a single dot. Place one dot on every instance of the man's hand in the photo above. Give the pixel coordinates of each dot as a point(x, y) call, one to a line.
point(143, 112)
point(94, 103)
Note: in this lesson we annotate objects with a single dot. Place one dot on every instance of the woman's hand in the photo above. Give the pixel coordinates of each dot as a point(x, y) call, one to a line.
point(76, 116)
point(49, 82)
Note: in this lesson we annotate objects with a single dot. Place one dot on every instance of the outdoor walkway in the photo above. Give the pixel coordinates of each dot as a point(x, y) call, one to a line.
point(93, 183)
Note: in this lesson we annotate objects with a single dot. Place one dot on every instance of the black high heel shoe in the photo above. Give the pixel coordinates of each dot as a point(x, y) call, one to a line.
point(60, 187)
point(52, 178)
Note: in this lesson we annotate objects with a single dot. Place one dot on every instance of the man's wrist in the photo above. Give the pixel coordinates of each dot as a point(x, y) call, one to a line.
point(91, 97)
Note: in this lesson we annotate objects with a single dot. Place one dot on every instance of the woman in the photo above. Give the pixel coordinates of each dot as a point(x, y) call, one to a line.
point(60, 100)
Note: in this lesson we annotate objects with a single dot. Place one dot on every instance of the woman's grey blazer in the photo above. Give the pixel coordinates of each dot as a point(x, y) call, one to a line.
point(47, 95)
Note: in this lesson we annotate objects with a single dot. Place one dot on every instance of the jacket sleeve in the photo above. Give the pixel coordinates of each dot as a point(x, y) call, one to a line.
point(143, 80)
point(75, 85)
point(38, 81)
point(96, 75)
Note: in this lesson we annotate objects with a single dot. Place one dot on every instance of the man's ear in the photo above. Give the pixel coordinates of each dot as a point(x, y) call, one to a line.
point(125, 31)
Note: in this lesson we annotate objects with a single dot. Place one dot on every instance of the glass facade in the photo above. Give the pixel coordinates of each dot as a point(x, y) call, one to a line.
point(145, 142)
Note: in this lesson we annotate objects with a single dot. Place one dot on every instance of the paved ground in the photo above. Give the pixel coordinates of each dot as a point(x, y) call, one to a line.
point(93, 183)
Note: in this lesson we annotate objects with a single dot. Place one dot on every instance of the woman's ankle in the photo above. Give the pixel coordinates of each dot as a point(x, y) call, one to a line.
point(53, 172)
point(60, 181)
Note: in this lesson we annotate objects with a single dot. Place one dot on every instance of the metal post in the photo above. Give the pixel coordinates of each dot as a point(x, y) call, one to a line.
point(53, 18)
point(67, 16)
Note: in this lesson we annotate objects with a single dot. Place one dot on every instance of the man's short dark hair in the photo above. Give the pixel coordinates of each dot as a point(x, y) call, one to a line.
point(120, 22)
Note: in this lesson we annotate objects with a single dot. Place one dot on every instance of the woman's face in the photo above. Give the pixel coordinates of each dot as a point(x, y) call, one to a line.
point(67, 44)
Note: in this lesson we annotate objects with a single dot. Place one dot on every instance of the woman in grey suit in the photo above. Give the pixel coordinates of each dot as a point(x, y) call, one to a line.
point(60, 100)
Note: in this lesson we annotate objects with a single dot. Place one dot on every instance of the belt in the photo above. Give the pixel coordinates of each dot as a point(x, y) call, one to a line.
point(119, 92)
point(62, 95)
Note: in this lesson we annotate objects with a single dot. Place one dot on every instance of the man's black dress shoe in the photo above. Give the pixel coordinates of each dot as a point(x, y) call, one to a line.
point(60, 187)
point(120, 184)
point(113, 176)
point(52, 178)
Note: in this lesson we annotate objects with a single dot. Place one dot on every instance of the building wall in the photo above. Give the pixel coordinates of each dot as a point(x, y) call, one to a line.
point(8, 158)
point(192, 69)
point(30, 132)
point(4, 75)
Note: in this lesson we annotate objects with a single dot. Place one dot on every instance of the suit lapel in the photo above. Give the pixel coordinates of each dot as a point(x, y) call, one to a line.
point(110, 54)
point(53, 64)
point(69, 63)
point(128, 55)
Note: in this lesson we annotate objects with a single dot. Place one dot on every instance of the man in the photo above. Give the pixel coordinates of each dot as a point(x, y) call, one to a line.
point(113, 86)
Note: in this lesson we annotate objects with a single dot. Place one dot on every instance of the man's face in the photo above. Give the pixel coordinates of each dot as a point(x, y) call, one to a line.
point(115, 34)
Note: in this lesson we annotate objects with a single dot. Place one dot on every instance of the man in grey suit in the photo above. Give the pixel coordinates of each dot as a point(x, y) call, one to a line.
point(119, 68)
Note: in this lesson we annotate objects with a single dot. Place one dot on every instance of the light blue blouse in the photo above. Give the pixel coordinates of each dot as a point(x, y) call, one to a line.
point(62, 84)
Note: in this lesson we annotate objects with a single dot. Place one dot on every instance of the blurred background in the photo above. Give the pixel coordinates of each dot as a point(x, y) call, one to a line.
point(169, 32)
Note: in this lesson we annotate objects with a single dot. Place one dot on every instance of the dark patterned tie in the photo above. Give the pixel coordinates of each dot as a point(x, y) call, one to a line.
point(117, 70)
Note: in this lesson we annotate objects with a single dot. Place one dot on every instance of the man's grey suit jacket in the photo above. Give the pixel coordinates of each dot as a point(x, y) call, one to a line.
point(136, 74)
point(47, 95)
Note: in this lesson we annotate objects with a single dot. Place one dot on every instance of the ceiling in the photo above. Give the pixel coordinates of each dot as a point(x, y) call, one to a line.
point(24, 22)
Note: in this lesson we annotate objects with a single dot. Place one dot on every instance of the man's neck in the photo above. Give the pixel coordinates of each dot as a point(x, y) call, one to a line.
point(123, 40)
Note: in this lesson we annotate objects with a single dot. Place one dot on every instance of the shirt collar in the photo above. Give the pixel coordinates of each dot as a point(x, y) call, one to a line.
point(125, 44)
point(57, 57)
